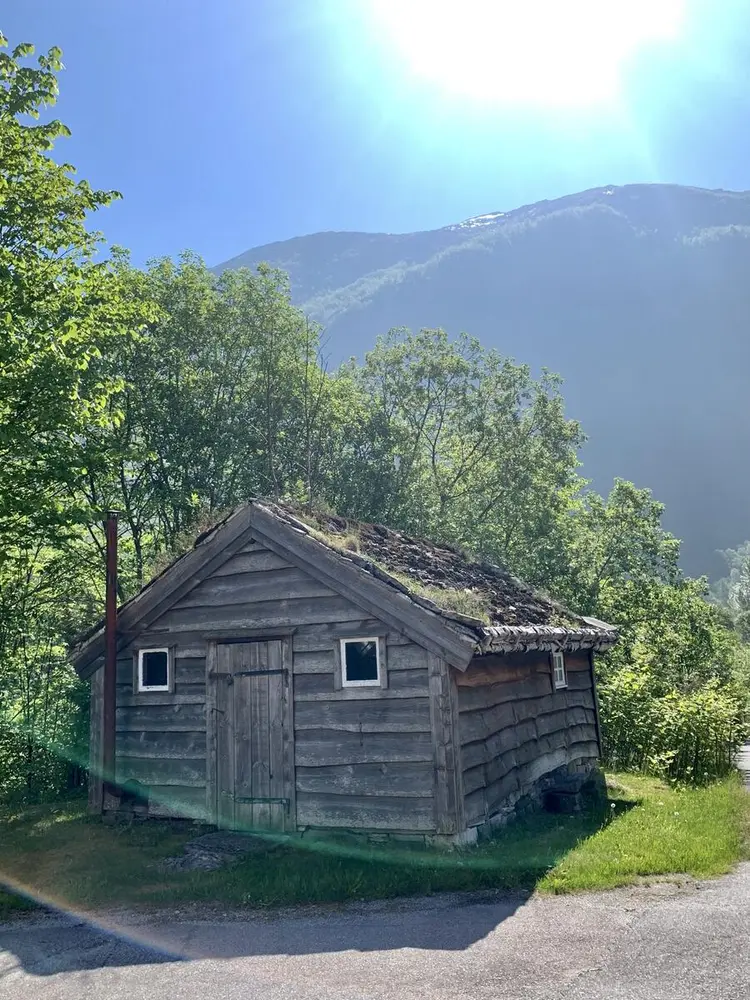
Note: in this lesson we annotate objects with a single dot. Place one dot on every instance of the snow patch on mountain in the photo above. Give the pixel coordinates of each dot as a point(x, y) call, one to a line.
point(478, 220)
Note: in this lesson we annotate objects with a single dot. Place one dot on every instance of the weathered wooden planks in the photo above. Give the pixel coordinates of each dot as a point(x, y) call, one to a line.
point(287, 709)
point(368, 715)
point(211, 734)
point(169, 801)
point(486, 768)
point(96, 785)
point(315, 661)
point(320, 688)
point(263, 614)
point(224, 737)
point(321, 747)
point(401, 779)
point(533, 685)
point(163, 771)
point(365, 812)
point(165, 717)
point(443, 747)
point(251, 781)
point(189, 670)
point(576, 661)
point(360, 742)
point(253, 588)
point(486, 799)
point(252, 559)
point(156, 744)
point(411, 680)
point(579, 680)
point(158, 699)
point(406, 656)
point(318, 637)
point(363, 694)
point(517, 728)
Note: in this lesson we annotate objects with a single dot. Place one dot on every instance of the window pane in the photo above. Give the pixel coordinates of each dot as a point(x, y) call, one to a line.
point(361, 661)
point(559, 670)
point(155, 669)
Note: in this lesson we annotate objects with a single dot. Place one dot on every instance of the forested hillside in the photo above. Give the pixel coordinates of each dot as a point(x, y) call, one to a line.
point(638, 296)
point(172, 394)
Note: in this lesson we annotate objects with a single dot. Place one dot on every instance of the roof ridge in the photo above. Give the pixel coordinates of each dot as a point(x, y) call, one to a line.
point(518, 615)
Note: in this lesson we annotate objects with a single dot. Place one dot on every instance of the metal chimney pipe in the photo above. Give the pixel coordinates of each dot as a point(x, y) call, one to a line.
point(110, 656)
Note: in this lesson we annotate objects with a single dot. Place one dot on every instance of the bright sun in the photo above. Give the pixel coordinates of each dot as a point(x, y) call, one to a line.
point(541, 52)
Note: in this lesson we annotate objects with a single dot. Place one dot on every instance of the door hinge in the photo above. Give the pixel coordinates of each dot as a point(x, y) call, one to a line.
point(217, 675)
point(255, 673)
point(248, 800)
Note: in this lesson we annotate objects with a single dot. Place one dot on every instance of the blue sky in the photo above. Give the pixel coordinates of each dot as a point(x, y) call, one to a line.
point(231, 123)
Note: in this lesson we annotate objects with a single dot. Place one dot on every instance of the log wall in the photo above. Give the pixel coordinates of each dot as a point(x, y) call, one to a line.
point(365, 757)
point(514, 727)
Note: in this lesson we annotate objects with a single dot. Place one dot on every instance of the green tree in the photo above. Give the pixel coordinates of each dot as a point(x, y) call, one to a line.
point(47, 595)
point(671, 632)
point(59, 308)
point(61, 311)
point(222, 397)
point(447, 439)
point(618, 539)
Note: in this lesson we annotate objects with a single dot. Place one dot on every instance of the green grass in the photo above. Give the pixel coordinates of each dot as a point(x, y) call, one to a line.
point(56, 853)
point(700, 832)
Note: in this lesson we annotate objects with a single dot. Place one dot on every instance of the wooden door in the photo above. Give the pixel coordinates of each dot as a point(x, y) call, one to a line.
point(251, 747)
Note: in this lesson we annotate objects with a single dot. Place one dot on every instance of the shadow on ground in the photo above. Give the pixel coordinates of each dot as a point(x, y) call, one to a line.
point(446, 921)
point(446, 924)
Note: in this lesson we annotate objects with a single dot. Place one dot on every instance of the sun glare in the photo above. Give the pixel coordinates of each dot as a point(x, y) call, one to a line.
point(542, 52)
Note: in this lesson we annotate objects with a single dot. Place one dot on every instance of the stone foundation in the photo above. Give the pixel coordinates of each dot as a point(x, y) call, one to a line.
point(567, 789)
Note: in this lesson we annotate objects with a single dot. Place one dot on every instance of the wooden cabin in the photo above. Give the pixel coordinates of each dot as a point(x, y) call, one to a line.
point(299, 671)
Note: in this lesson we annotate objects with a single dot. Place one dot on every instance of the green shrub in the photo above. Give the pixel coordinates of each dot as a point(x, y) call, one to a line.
point(679, 736)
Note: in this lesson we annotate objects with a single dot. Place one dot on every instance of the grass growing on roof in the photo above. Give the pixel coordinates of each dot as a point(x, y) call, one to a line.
point(464, 600)
point(648, 829)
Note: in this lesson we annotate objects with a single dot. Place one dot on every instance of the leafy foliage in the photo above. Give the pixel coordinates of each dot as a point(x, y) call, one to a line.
point(688, 737)
point(451, 441)
point(173, 393)
point(670, 704)
point(59, 308)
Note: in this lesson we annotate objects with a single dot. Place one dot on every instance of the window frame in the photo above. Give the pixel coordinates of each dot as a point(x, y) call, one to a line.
point(558, 659)
point(379, 680)
point(140, 687)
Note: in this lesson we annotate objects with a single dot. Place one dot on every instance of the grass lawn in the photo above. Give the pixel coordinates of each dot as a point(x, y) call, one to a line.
point(56, 853)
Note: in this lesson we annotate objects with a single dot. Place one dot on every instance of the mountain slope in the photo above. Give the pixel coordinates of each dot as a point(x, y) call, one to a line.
point(638, 295)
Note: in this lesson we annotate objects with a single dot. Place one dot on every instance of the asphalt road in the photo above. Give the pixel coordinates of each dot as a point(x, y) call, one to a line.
point(656, 943)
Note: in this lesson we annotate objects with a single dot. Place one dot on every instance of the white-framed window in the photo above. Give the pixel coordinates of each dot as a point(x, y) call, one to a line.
point(559, 676)
point(360, 662)
point(154, 669)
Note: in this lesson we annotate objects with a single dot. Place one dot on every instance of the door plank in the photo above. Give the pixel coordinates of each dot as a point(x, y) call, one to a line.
point(276, 736)
point(225, 739)
point(261, 739)
point(242, 659)
point(211, 745)
point(289, 781)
